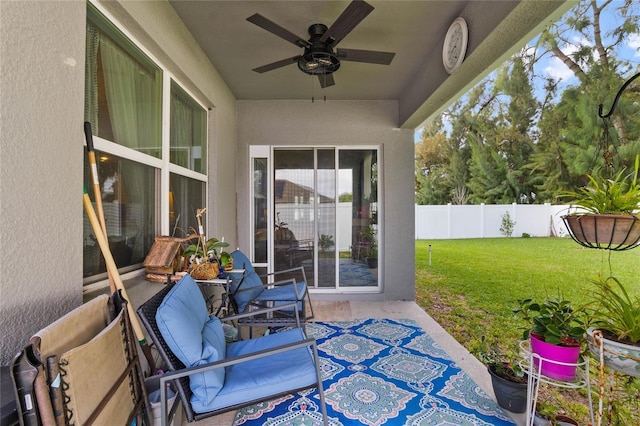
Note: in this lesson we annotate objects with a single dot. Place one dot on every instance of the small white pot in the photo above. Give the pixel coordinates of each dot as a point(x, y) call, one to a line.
point(617, 356)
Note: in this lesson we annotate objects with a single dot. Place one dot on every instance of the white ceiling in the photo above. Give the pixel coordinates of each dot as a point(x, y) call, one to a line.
point(414, 30)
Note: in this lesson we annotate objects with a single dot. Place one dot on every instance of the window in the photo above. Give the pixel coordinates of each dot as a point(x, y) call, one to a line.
point(188, 131)
point(123, 89)
point(185, 197)
point(128, 190)
point(123, 103)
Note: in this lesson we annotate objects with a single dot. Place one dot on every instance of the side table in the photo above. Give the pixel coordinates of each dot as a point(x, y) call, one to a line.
point(209, 288)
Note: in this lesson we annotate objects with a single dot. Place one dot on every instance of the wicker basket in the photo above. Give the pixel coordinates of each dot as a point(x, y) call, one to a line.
point(205, 271)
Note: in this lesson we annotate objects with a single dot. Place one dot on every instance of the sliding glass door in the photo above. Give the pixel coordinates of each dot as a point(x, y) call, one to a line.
point(324, 213)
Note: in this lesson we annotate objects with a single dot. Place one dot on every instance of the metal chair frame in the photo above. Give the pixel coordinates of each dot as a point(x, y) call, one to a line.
point(179, 375)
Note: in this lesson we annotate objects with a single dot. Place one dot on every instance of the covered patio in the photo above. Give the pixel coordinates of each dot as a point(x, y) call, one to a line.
point(208, 50)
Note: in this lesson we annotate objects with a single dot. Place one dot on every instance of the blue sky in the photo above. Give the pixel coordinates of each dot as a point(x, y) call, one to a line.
point(630, 50)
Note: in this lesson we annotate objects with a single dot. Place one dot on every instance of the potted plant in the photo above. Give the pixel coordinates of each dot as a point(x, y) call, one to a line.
point(616, 326)
point(203, 257)
point(508, 379)
point(370, 237)
point(611, 220)
point(556, 332)
point(372, 256)
point(546, 418)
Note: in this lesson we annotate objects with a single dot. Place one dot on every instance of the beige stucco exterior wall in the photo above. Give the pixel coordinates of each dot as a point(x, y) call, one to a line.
point(42, 47)
point(42, 104)
point(340, 123)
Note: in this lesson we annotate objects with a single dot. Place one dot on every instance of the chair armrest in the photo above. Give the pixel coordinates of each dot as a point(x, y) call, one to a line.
point(177, 374)
point(293, 305)
point(185, 372)
point(273, 274)
point(289, 281)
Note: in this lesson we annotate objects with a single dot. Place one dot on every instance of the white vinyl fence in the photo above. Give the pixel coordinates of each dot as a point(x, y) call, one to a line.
point(484, 220)
point(434, 222)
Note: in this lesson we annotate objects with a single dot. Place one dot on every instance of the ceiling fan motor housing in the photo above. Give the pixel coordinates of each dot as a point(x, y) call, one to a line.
point(319, 58)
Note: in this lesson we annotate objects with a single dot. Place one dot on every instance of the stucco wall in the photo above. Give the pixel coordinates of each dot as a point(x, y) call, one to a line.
point(373, 123)
point(41, 157)
point(41, 151)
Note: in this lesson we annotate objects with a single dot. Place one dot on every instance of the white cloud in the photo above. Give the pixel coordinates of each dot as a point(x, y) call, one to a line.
point(634, 43)
point(557, 70)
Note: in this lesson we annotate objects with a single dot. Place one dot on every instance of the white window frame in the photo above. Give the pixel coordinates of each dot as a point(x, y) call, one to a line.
point(162, 165)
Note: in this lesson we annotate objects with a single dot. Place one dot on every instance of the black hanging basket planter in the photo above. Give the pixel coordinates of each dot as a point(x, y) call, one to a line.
point(604, 231)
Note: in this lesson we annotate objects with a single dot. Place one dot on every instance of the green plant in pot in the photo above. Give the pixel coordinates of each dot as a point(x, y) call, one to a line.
point(616, 326)
point(508, 379)
point(206, 258)
point(612, 203)
point(556, 331)
point(369, 235)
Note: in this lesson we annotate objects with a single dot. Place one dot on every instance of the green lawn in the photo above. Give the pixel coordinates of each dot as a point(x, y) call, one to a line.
point(482, 279)
point(471, 286)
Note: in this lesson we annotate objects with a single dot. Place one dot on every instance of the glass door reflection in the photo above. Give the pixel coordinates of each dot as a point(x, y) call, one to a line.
point(325, 205)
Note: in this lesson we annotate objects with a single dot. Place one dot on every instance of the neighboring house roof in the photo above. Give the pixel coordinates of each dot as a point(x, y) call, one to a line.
point(287, 192)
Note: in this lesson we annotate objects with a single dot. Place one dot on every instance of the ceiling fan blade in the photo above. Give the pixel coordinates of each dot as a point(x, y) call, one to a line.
point(326, 80)
point(276, 29)
point(368, 56)
point(277, 64)
point(347, 21)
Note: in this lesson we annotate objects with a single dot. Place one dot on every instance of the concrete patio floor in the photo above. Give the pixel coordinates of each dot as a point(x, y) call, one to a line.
point(327, 311)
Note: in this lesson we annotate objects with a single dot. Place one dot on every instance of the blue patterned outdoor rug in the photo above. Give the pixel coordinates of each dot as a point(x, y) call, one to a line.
point(381, 372)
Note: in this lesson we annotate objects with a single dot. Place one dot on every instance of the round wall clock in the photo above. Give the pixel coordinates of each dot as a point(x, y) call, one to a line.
point(455, 45)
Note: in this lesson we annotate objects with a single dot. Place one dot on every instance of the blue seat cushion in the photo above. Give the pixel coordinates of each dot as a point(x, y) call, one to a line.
point(241, 261)
point(194, 337)
point(284, 292)
point(250, 287)
point(263, 377)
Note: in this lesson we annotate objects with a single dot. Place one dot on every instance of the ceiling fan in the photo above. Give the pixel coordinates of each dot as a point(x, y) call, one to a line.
point(320, 56)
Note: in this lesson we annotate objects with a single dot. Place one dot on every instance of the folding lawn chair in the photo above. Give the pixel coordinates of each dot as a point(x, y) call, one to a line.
point(82, 369)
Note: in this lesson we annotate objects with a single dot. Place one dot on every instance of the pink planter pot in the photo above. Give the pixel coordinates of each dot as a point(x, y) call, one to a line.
point(556, 362)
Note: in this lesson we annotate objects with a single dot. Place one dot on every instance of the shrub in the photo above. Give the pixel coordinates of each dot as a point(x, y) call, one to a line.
point(507, 225)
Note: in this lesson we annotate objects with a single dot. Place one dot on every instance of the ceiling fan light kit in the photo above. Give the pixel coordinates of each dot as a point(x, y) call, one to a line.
point(320, 56)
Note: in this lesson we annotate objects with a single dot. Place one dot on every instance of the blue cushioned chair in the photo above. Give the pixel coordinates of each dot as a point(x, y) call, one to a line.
point(250, 291)
point(213, 376)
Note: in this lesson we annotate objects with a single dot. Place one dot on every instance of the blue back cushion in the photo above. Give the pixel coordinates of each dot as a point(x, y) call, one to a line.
point(244, 287)
point(194, 337)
